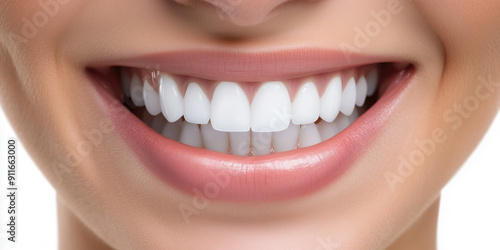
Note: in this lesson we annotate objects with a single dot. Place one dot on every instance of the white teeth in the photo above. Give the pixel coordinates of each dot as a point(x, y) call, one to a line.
point(172, 130)
point(309, 135)
point(361, 89)
point(348, 97)
point(271, 108)
point(125, 81)
point(172, 103)
point(327, 130)
point(331, 100)
point(286, 140)
point(196, 105)
point(342, 122)
point(261, 142)
point(151, 99)
point(213, 139)
point(371, 81)
point(230, 109)
point(240, 143)
point(191, 135)
point(136, 91)
point(306, 106)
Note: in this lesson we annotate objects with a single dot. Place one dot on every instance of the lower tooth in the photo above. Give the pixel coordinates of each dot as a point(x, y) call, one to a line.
point(191, 135)
point(213, 139)
point(172, 130)
point(158, 123)
point(327, 130)
point(342, 122)
point(261, 143)
point(309, 135)
point(286, 140)
point(240, 143)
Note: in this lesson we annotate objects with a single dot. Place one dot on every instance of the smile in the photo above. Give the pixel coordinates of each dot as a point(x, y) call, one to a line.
point(275, 136)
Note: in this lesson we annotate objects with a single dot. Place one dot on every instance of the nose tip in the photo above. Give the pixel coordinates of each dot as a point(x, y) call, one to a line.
point(244, 12)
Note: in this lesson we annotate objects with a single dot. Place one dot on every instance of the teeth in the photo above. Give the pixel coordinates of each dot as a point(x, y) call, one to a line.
point(240, 143)
point(196, 105)
point(331, 100)
point(151, 99)
point(191, 135)
point(230, 109)
point(327, 130)
point(261, 142)
point(271, 108)
point(306, 106)
point(229, 123)
point(172, 103)
point(286, 140)
point(213, 139)
point(172, 130)
point(348, 97)
point(371, 81)
point(136, 91)
point(361, 89)
point(309, 135)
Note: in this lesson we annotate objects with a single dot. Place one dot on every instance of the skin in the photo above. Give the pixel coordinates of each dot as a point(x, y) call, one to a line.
point(107, 200)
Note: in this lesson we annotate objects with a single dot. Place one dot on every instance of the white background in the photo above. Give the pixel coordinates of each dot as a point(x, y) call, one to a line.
point(469, 218)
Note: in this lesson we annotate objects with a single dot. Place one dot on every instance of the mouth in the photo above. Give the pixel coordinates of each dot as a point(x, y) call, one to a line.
point(251, 136)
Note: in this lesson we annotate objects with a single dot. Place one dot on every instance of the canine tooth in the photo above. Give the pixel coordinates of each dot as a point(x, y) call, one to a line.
point(306, 106)
point(271, 108)
point(151, 99)
point(230, 109)
point(196, 105)
point(261, 142)
point(327, 130)
point(125, 81)
point(371, 82)
point(213, 139)
point(309, 135)
point(172, 102)
point(331, 100)
point(136, 90)
point(348, 97)
point(287, 139)
point(191, 135)
point(240, 143)
point(172, 130)
point(361, 90)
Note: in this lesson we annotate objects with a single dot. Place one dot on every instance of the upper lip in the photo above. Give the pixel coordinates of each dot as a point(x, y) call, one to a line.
point(249, 66)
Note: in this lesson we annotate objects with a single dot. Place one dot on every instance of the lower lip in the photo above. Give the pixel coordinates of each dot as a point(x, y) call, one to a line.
point(272, 177)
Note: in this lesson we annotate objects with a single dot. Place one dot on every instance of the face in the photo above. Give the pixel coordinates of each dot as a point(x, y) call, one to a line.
point(291, 122)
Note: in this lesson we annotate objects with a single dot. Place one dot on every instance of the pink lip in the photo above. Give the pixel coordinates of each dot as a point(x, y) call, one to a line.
point(271, 177)
point(249, 66)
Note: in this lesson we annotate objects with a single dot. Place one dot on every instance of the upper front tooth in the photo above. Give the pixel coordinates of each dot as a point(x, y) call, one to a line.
point(361, 90)
point(172, 103)
point(306, 106)
point(371, 81)
point(331, 100)
point(196, 105)
point(348, 97)
point(230, 109)
point(151, 99)
point(271, 108)
point(136, 91)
